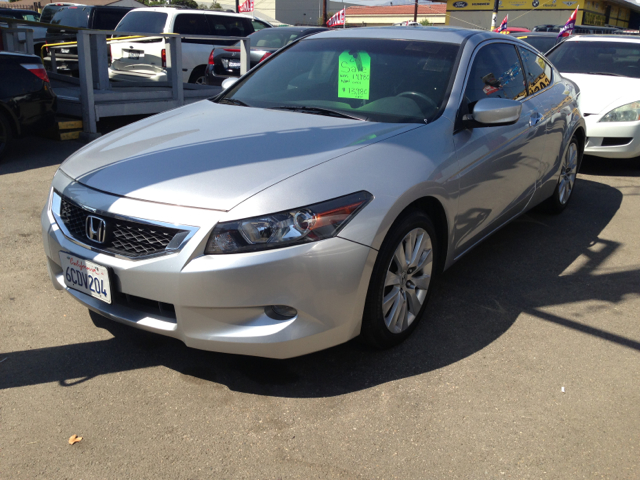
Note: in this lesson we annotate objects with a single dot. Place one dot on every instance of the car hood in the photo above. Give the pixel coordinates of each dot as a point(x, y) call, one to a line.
point(601, 93)
point(214, 156)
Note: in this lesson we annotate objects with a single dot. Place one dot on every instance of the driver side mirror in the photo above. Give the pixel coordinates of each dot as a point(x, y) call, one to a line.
point(493, 112)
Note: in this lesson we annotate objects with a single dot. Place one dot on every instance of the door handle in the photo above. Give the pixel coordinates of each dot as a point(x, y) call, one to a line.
point(534, 119)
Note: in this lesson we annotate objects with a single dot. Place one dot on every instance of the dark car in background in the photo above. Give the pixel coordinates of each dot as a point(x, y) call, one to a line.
point(27, 103)
point(29, 15)
point(79, 16)
point(225, 62)
point(542, 41)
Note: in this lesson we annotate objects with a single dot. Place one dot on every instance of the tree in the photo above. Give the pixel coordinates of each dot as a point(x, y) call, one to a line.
point(185, 3)
point(425, 23)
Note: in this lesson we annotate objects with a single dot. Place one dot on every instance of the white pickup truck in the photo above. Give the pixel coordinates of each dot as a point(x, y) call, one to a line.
point(145, 59)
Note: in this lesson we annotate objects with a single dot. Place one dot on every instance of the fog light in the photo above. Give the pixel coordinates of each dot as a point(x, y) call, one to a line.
point(280, 312)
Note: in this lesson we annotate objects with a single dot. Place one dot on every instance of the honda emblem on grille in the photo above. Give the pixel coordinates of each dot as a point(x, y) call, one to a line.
point(95, 229)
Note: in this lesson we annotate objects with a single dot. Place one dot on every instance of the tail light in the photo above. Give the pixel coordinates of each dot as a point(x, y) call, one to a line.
point(211, 56)
point(265, 56)
point(236, 50)
point(38, 70)
point(164, 58)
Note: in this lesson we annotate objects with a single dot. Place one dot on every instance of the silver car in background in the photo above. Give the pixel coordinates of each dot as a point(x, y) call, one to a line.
point(319, 197)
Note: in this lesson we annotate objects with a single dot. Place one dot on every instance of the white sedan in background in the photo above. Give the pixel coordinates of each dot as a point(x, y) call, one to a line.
point(607, 70)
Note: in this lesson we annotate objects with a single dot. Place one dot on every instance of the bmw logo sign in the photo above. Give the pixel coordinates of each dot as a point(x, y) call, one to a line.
point(535, 3)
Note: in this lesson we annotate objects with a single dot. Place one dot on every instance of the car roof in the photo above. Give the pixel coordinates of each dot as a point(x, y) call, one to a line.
point(8, 10)
point(435, 34)
point(533, 34)
point(603, 38)
point(187, 10)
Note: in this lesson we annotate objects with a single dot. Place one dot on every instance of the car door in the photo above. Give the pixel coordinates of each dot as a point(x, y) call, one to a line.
point(499, 165)
point(549, 98)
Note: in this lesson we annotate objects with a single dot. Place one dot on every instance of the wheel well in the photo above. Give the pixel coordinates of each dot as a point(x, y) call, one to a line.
point(435, 210)
point(199, 70)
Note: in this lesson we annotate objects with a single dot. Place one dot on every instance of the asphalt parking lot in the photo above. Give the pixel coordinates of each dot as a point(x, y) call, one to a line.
point(529, 366)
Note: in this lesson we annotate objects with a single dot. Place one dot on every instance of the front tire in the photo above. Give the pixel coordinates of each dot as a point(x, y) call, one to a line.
point(401, 281)
point(567, 181)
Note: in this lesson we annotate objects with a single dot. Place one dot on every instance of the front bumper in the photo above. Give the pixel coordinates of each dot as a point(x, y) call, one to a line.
point(612, 139)
point(220, 300)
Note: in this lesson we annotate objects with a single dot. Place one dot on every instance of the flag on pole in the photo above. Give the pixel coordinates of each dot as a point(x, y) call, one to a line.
point(337, 19)
point(569, 26)
point(503, 25)
point(246, 6)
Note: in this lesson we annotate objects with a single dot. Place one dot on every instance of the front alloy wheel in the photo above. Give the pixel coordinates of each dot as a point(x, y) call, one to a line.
point(401, 281)
point(407, 280)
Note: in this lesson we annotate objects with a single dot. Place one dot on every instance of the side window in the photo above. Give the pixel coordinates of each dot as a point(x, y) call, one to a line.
point(258, 25)
point(191, 24)
point(228, 26)
point(538, 71)
point(496, 73)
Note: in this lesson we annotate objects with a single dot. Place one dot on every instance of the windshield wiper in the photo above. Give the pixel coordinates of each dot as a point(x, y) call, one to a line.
point(606, 73)
point(319, 111)
point(233, 101)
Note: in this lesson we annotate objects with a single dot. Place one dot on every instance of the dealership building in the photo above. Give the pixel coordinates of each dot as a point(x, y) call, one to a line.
point(529, 13)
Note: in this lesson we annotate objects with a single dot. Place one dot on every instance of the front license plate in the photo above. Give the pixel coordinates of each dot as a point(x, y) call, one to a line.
point(133, 54)
point(86, 277)
point(234, 64)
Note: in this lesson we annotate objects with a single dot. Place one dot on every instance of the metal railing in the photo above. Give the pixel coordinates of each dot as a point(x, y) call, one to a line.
point(93, 66)
point(13, 43)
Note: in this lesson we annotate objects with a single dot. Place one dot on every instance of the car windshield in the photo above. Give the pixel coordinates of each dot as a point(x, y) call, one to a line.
point(543, 44)
point(604, 58)
point(143, 22)
point(373, 79)
point(273, 38)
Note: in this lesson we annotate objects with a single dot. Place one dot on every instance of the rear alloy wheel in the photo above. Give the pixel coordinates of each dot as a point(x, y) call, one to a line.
point(6, 133)
point(401, 281)
point(567, 181)
point(198, 76)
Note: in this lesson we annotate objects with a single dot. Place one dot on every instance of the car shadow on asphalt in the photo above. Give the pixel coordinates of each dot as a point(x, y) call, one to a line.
point(535, 262)
point(610, 167)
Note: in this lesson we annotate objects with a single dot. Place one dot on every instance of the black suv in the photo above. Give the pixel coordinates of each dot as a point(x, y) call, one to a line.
point(79, 16)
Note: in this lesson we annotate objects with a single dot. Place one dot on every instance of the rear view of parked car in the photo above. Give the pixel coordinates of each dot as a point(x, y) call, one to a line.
point(145, 60)
point(79, 16)
point(225, 62)
point(27, 103)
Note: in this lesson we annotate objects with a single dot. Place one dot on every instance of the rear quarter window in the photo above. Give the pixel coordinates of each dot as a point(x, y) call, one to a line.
point(144, 22)
point(72, 17)
point(106, 18)
point(229, 26)
point(191, 24)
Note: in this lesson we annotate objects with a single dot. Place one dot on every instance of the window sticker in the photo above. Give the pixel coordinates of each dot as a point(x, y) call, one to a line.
point(354, 75)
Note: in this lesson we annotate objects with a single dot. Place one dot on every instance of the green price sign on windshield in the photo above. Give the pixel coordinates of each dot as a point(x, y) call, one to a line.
point(354, 75)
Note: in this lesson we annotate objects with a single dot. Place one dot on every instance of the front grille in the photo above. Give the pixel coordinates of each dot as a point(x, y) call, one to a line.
point(123, 237)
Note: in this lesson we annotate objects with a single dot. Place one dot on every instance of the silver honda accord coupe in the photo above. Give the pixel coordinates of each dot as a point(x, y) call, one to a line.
point(318, 198)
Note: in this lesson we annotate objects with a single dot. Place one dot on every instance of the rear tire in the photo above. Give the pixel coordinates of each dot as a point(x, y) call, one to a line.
point(569, 168)
point(197, 76)
point(6, 135)
point(401, 282)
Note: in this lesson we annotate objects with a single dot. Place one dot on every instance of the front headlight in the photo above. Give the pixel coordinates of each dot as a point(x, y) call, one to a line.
point(283, 229)
point(626, 113)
